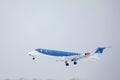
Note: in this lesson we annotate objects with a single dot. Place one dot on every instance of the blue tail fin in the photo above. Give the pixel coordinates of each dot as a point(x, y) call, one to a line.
point(100, 50)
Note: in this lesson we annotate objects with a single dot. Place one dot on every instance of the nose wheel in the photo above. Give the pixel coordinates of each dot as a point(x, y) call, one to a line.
point(32, 56)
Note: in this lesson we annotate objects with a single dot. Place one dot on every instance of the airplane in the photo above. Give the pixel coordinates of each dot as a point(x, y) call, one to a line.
point(68, 56)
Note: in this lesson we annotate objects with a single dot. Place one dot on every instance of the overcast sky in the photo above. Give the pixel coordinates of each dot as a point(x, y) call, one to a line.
point(67, 25)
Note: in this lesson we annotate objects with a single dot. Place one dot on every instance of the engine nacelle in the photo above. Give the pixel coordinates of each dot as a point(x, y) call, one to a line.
point(87, 53)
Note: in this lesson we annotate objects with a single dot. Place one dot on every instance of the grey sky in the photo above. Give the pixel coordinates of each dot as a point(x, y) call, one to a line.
point(70, 25)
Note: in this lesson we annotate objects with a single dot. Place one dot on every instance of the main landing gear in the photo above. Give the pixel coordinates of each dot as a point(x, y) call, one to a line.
point(33, 58)
point(75, 63)
point(67, 64)
point(74, 60)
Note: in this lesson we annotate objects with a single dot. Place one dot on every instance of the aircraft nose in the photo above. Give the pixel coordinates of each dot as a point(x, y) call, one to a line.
point(32, 53)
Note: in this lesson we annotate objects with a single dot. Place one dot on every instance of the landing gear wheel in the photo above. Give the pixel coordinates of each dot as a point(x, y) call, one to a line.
point(75, 63)
point(66, 63)
point(33, 58)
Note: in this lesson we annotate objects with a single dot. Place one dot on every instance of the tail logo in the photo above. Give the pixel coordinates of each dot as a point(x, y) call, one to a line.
point(99, 50)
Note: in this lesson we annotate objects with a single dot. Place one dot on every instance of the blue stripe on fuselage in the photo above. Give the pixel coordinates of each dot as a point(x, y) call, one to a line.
point(56, 53)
